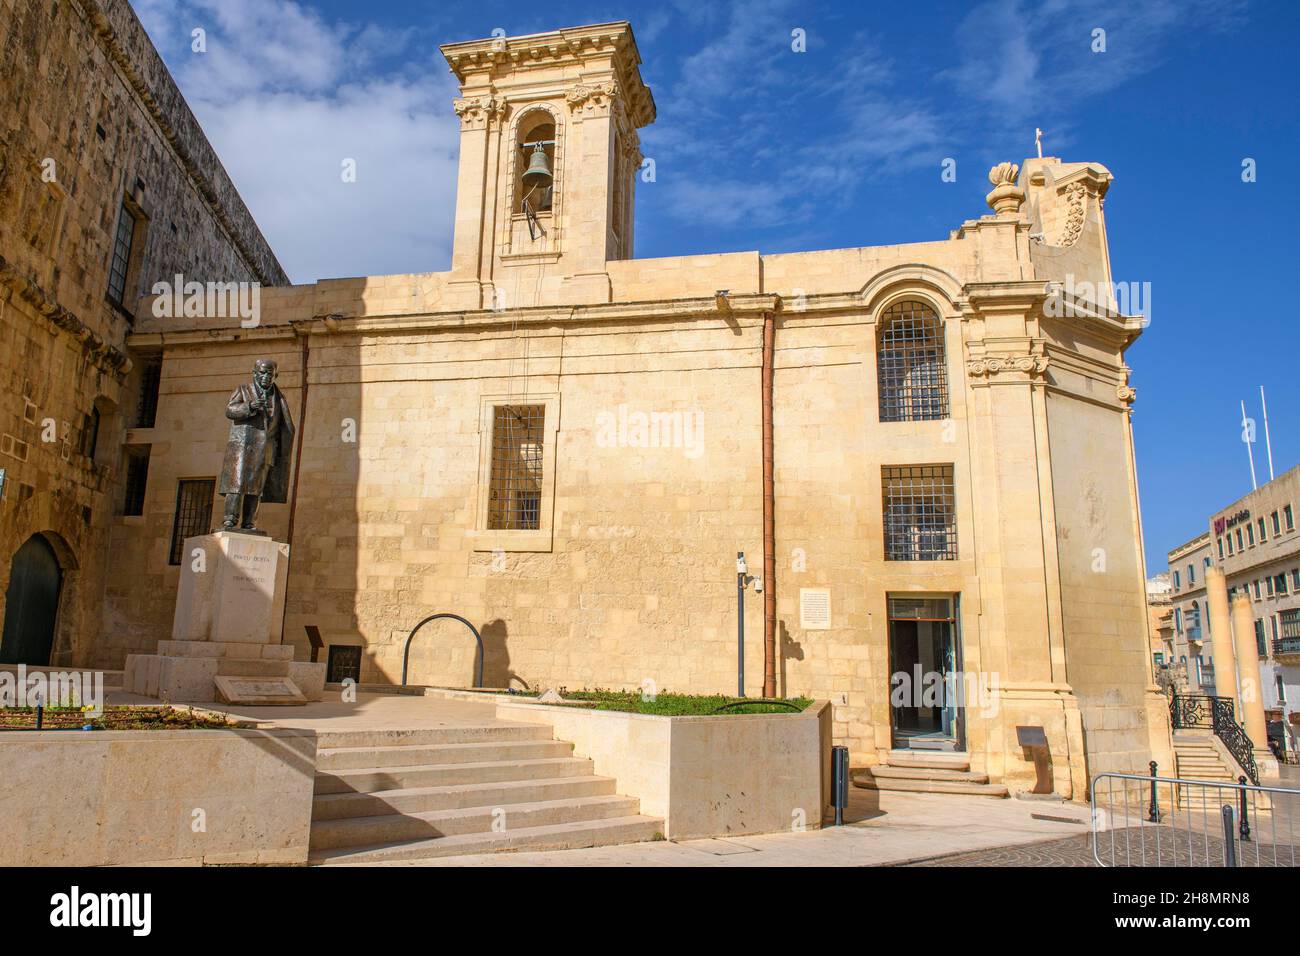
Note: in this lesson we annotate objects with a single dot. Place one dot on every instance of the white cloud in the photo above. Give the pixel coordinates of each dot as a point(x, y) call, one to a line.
point(286, 97)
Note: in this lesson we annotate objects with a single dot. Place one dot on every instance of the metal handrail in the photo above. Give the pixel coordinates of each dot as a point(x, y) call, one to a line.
point(406, 650)
point(1217, 714)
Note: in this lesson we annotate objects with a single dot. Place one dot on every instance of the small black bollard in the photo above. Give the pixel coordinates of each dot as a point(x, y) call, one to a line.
point(839, 782)
point(1153, 812)
point(1245, 818)
point(40, 715)
point(1229, 838)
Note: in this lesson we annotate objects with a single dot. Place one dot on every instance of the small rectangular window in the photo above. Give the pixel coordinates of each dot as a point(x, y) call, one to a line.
point(1178, 581)
point(1263, 536)
point(121, 261)
point(515, 484)
point(1280, 584)
point(1178, 620)
point(1290, 518)
point(1260, 640)
point(344, 662)
point(920, 514)
point(1220, 549)
point(1277, 524)
point(1257, 589)
point(90, 433)
point(1240, 546)
point(146, 414)
point(193, 512)
point(1250, 535)
point(137, 479)
point(1191, 574)
point(1230, 551)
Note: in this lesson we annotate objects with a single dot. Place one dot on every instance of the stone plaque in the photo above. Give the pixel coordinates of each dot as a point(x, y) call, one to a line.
point(815, 609)
point(263, 691)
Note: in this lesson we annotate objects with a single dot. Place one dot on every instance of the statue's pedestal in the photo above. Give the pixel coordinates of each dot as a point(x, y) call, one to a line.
point(225, 643)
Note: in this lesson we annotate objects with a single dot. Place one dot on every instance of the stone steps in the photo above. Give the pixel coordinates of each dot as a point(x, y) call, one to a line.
point(414, 801)
point(936, 780)
point(359, 758)
point(395, 827)
point(429, 736)
point(931, 760)
point(927, 773)
point(421, 792)
point(375, 779)
point(559, 836)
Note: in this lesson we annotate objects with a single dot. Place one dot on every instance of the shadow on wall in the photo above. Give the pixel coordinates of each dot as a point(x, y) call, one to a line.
point(496, 656)
point(789, 651)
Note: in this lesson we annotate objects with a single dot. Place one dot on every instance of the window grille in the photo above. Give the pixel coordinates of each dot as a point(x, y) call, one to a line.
point(150, 378)
point(193, 512)
point(515, 486)
point(911, 365)
point(919, 513)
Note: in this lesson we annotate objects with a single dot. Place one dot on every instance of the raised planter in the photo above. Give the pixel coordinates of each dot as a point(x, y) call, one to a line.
point(723, 776)
point(96, 798)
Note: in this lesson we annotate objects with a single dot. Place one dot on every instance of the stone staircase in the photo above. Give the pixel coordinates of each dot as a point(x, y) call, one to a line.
point(384, 795)
point(1197, 758)
point(932, 772)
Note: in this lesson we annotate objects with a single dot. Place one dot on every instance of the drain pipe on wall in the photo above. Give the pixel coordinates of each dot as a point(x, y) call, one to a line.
point(769, 514)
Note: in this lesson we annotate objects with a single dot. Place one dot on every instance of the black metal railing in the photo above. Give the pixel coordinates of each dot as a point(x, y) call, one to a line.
point(1286, 645)
point(1216, 714)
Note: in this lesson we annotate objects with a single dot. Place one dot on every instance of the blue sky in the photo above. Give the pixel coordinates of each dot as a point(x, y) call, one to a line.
point(759, 147)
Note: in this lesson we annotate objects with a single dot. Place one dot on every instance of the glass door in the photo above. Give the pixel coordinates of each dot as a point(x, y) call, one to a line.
point(925, 681)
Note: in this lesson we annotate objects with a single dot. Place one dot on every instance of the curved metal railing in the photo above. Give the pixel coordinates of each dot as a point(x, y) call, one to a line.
point(478, 666)
point(1216, 714)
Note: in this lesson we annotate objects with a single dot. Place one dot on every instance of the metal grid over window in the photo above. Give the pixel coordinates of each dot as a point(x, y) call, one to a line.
point(515, 486)
point(193, 512)
point(911, 365)
point(121, 261)
point(920, 513)
point(146, 413)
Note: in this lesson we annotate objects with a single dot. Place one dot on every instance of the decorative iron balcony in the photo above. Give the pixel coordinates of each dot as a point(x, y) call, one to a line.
point(1287, 649)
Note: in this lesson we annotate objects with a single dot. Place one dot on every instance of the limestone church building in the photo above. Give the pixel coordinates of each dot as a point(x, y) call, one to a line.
point(924, 451)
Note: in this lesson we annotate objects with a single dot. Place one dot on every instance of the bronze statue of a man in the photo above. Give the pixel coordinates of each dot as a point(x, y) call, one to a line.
point(256, 467)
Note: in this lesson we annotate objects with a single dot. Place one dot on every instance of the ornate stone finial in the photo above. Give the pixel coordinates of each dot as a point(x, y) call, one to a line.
point(1006, 197)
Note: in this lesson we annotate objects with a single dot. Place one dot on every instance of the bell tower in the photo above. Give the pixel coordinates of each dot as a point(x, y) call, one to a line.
point(549, 156)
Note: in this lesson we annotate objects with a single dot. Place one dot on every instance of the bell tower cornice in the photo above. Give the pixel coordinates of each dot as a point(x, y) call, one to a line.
point(601, 58)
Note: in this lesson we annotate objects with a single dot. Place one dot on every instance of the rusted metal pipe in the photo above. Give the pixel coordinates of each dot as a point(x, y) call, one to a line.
point(769, 514)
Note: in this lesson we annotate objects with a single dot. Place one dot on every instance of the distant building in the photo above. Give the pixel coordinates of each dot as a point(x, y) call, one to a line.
point(1256, 543)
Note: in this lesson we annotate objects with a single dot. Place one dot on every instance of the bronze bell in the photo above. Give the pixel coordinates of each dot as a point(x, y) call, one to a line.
point(538, 172)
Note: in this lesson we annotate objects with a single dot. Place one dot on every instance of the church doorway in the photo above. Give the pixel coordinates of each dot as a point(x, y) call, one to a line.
point(925, 674)
point(31, 604)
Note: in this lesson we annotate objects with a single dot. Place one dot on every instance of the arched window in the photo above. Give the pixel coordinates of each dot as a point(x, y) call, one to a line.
point(911, 364)
point(536, 134)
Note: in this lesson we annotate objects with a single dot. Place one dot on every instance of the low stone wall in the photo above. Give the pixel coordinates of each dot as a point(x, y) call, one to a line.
point(95, 798)
point(721, 776)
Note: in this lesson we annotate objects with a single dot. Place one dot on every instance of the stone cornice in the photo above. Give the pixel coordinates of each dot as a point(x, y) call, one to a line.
point(607, 47)
point(97, 351)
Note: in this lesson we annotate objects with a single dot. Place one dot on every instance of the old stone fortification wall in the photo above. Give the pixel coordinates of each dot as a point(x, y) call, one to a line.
point(90, 117)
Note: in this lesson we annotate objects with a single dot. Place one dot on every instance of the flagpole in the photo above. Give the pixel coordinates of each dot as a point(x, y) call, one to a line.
point(1246, 437)
point(1267, 442)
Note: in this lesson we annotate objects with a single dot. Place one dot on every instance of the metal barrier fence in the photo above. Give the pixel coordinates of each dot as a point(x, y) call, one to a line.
point(1171, 821)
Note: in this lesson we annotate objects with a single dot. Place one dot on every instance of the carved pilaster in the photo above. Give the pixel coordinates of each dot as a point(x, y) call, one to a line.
point(596, 99)
point(476, 112)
